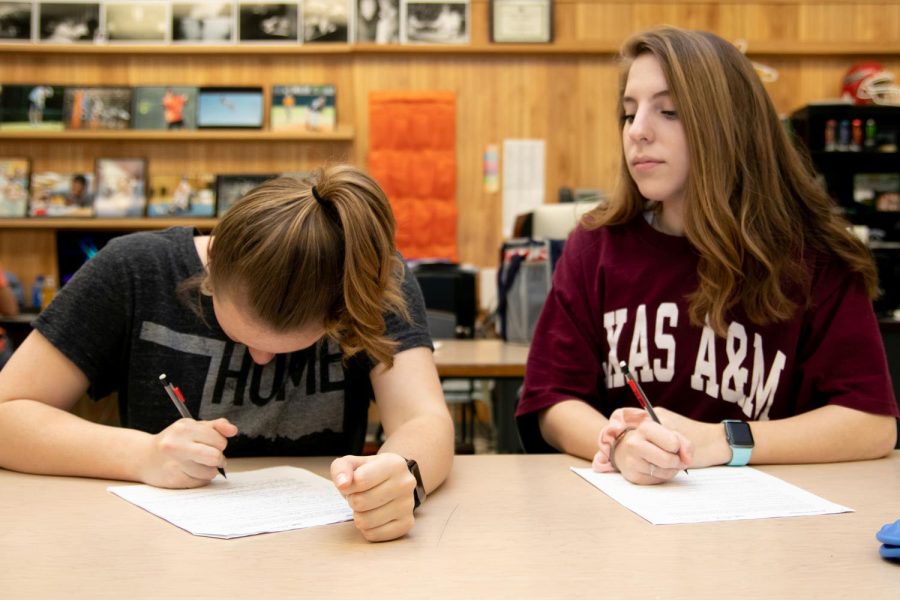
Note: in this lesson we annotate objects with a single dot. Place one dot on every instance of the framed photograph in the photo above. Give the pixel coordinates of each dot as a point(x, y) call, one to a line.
point(56, 194)
point(303, 108)
point(435, 22)
point(378, 21)
point(326, 20)
point(137, 21)
point(268, 22)
point(15, 21)
point(521, 21)
point(97, 108)
point(231, 188)
point(182, 196)
point(230, 107)
point(121, 187)
point(14, 176)
point(68, 22)
point(203, 22)
point(170, 107)
point(31, 107)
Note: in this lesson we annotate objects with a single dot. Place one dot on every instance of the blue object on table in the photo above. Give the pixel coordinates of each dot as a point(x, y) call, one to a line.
point(889, 535)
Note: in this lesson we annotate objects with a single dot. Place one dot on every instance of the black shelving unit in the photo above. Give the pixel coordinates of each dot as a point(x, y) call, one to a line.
point(839, 166)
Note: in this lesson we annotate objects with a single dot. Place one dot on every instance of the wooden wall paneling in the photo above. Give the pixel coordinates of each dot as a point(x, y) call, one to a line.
point(28, 254)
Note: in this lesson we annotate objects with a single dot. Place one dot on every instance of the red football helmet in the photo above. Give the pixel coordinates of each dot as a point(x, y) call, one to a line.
point(868, 83)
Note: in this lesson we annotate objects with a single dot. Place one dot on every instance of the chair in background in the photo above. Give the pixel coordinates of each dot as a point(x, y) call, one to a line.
point(449, 293)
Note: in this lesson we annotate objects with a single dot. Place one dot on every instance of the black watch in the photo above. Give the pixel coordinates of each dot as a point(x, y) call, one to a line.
point(419, 492)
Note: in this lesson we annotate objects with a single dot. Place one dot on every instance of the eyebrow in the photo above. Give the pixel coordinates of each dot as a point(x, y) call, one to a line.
point(653, 97)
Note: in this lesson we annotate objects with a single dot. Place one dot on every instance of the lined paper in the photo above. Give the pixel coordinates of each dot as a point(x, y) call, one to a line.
point(247, 503)
point(713, 494)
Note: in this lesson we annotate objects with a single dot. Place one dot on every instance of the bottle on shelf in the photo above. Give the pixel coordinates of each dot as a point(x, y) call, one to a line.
point(48, 291)
point(37, 292)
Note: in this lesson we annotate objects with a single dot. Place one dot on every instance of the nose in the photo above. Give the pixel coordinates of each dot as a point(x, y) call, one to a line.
point(260, 357)
point(639, 129)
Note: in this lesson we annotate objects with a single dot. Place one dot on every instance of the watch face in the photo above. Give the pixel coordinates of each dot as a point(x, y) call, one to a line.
point(738, 434)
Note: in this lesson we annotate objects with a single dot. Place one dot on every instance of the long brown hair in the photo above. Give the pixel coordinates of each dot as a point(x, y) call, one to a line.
point(752, 205)
point(316, 251)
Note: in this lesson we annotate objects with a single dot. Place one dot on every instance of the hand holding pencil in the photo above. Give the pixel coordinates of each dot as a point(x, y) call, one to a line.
point(188, 452)
point(644, 452)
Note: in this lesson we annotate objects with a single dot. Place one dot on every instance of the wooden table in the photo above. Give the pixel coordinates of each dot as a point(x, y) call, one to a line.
point(503, 526)
point(489, 359)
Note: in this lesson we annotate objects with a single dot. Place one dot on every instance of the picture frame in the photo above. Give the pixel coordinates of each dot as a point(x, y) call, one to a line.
point(435, 22)
point(326, 21)
point(168, 107)
point(68, 22)
point(203, 22)
point(137, 22)
point(303, 108)
point(230, 108)
point(187, 195)
point(15, 176)
point(97, 108)
point(35, 107)
point(15, 21)
point(377, 22)
point(231, 188)
point(260, 21)
point(55, 194)
point(521, 21)
point(121, 187)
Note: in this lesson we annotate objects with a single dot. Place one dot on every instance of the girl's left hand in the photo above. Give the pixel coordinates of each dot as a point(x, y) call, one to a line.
point(379, 489)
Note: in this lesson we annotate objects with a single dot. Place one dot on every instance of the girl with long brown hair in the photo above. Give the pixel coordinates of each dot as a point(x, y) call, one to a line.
point(279, 328)
point(721, 274)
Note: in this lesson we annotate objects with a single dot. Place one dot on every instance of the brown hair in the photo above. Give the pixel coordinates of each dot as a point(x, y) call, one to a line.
point(752, 205)
point(300, 259)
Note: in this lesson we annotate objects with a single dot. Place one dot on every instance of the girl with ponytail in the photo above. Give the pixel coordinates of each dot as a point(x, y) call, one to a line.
point(279, 328)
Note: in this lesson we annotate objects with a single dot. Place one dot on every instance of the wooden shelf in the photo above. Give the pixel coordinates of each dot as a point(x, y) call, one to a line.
point(342, 133)
point(132, 224)
point(592, 47)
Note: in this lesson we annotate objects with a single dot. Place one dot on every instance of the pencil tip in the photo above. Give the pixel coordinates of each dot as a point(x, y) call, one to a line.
point(162, 377)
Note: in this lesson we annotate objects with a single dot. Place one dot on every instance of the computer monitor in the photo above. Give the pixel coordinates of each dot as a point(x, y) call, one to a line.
point(74, 248)
point(556, 221)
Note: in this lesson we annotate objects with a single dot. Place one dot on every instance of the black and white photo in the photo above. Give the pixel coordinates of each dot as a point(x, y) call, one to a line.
point(436, 22)
point(326, 20)
point(137, 21)
point(378, 21)
point(268, 22)
point(211, 22)
point(15, 21)
point(68, 22)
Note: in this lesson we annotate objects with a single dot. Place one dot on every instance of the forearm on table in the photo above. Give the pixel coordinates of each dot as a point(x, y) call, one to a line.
point(41, 439)
point(427, 439)
point(573, 427)
point(828, 434)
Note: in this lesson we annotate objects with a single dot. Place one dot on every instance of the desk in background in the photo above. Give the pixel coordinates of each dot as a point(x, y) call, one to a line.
point(503, 526)
point(489, 359)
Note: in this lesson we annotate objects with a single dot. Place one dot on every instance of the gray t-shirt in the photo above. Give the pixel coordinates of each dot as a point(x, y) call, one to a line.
point(121, 321)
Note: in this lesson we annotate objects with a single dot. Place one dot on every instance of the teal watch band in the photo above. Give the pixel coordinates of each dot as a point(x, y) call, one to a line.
point(740, 456)
point(740, 440)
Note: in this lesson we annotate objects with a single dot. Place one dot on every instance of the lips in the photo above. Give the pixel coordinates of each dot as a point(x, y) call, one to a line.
point(645, 160)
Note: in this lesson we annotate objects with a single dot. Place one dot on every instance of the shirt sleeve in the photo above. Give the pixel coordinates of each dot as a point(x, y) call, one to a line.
point(88, 320)
point(564, 359)
point(841, 358)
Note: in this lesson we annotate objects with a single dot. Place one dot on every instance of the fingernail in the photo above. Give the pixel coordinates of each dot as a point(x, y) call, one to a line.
point(341, 479)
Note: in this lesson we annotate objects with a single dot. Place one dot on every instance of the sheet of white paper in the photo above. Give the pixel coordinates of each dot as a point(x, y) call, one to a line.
point(247, 503)
point(714, 494)
point(523, 179)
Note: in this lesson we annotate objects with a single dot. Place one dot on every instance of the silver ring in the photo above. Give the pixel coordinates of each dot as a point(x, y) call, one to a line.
point(652, 467)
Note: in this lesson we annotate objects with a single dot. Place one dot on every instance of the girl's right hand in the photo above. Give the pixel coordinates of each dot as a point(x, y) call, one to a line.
point(187, 453)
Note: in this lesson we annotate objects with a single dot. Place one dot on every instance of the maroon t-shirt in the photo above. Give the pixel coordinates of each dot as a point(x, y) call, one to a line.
point(619, 294)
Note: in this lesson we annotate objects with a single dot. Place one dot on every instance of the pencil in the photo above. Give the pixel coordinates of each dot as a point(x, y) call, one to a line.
point(638, 391)
point(178, 400)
